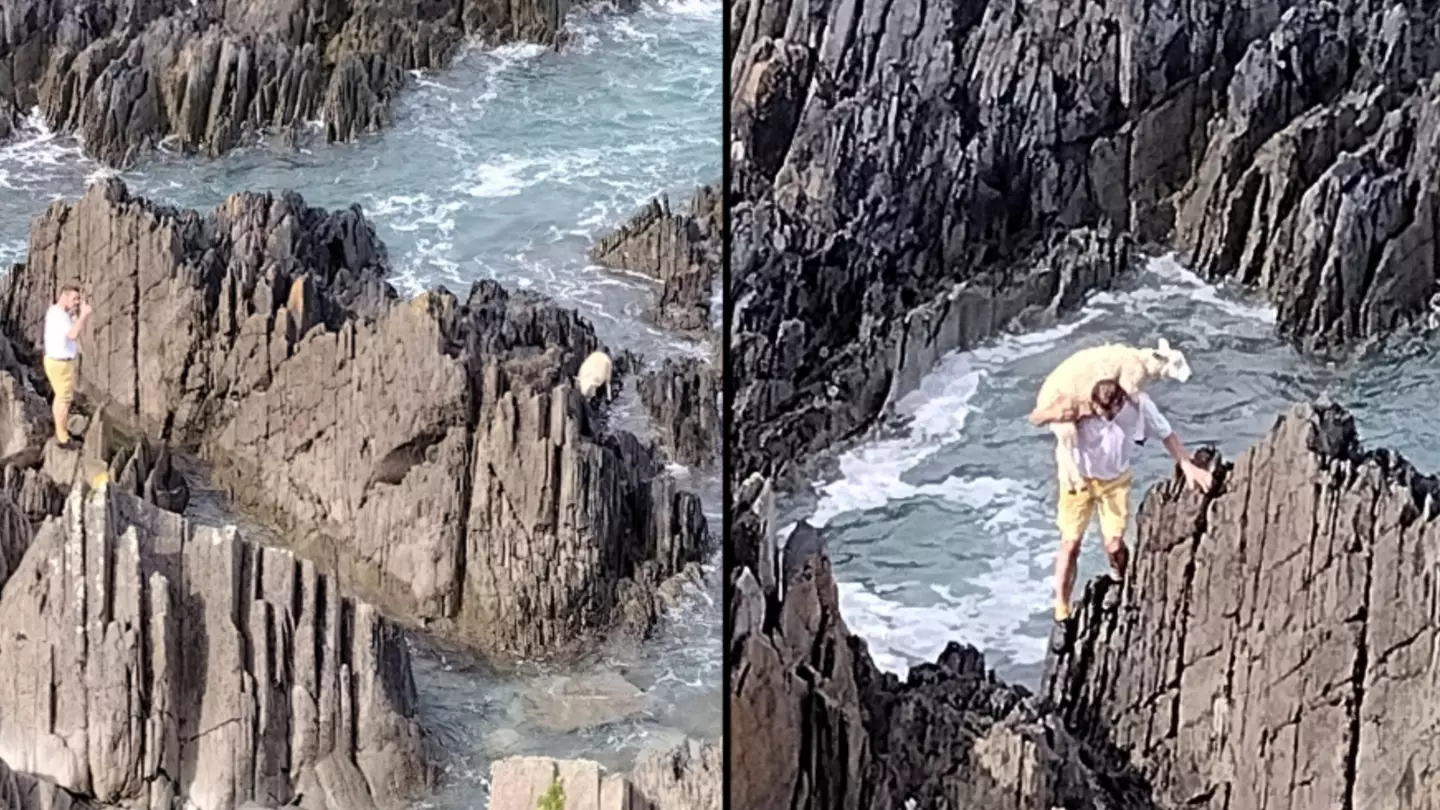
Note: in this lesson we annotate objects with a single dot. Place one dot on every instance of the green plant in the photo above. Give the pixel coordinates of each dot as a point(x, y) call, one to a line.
point(552, 799)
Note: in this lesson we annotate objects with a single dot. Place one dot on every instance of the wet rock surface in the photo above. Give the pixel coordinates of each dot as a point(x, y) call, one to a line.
point(211, 74)
point(1272, 643)
point(148, 659)
point(432, 453)
point(681, 250)
point(1275, 641)
point(884, 154)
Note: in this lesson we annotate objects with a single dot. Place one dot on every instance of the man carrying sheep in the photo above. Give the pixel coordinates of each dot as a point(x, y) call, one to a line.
point(1102, 452)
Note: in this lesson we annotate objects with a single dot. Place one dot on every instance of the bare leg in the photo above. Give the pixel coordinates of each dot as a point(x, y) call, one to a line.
point(61, 411)
point(1119, 555)
point(1065, 576)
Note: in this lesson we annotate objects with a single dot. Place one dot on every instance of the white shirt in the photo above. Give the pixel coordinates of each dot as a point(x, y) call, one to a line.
point(1102, 447)
point(58, 345)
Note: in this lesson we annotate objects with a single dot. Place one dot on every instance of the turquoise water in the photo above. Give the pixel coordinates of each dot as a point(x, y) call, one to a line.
point(508, 165)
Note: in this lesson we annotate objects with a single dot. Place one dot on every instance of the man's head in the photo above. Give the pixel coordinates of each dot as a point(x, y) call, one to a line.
point(1170, 363)
point(69, 297)
point(1108, 398)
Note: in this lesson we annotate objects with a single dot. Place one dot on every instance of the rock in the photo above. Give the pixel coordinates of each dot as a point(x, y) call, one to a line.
point(682, 397)
point(23, 791)
point(682, 251)
point(212, 74)
point(432, 453)
point(1317, 183)
point(199, 667)
point(567, 704)
point(1275, 632)
point(883, 154)
point(814, 723)
point(519, 783)
point(689, 776)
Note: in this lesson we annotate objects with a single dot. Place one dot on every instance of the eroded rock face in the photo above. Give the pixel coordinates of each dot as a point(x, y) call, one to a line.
point(1276, 638)
point(688, 776)
point(1318, 180)
point(433, 452)
point(682, 250)
point(198, 666)
point(683, 399)
point(884, 153)
point(125, 75)
point(813, 722)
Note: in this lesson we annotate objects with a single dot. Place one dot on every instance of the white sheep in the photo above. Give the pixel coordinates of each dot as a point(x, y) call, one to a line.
point(1064, 397)
point(594, 375)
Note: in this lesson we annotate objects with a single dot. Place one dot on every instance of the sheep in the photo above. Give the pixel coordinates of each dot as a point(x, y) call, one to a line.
point(594, 375)
point(1064, 397)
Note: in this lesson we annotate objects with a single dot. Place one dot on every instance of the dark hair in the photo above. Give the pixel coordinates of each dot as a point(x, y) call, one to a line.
point(1108, 396)
point(70, 286)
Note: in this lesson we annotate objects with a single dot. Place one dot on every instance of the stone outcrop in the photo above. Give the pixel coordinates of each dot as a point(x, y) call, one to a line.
point(685, 777)
point(1318, 182)
point(883, 154)
point(683, 399)
point(147, 659)
point(814, 723)
point(432, 452)
point(1276, 641)
point(210, 74)
point(681, 250)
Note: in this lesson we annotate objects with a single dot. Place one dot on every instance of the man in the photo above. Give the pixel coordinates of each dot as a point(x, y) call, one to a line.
point(62, 327)
point(1102, 451)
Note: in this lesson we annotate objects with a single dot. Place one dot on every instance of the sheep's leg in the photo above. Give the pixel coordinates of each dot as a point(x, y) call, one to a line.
point(1065, 466)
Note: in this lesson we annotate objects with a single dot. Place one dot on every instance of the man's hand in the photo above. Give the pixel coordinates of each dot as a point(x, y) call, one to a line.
point(85, 309)
point(1197, 476)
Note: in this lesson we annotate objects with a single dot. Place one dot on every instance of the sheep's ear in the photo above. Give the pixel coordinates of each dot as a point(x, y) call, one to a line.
point(1164, 345)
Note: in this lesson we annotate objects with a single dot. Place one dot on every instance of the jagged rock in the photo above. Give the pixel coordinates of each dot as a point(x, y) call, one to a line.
point(814, 723)
point(1276, 635)
point(882, 153)
point(683, 399)
point(210, 74)
point(688, 776)
point(200, 667)
point(681, 250)
point(432, 452)
point(1318, 184)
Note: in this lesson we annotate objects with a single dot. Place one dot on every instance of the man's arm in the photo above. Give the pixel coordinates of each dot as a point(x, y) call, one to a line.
point(79, 325)
point(1198, 476)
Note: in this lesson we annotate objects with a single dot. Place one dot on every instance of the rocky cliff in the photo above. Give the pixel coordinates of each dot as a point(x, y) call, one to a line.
point(431, 452)
point(146, 659)
point(1273, 646)
point(1277, 639)
point(209, 74)
point(681, 250)
point(897, 158)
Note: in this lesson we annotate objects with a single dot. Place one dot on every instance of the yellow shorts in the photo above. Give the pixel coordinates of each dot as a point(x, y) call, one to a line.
point(1113, 499)
point(61, 374)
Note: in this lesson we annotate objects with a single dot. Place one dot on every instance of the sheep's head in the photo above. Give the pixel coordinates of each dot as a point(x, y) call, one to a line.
point(1166, 363)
